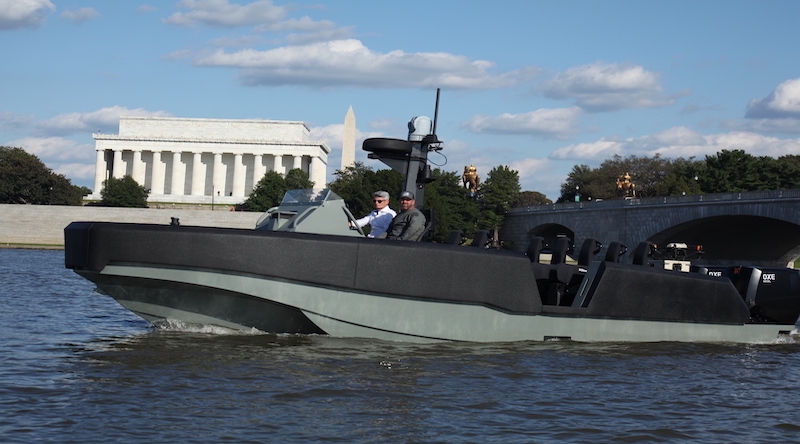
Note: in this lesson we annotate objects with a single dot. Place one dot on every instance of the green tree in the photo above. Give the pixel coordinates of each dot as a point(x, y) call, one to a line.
point(267, 193)
point(789, 172)
point(731, 171)
point(653, 176)
point(452, 209)
point(445, 196)
point(125, 192)
point(297, 179)
point(531, 198)
point(356, 183)
point(498, 193)
point(580, 179)
point(24, 179)
point(726, 171)
point(682, 178)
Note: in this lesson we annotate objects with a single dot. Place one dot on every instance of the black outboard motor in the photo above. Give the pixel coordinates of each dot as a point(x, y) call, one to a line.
point(773, 294)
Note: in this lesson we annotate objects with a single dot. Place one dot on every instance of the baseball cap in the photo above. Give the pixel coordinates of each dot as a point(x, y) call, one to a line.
point(407, 195)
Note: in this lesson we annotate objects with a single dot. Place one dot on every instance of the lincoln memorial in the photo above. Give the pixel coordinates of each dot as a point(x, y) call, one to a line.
point(190, 160)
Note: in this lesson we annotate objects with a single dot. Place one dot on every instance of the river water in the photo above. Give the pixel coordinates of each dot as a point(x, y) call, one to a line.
point(76, 367)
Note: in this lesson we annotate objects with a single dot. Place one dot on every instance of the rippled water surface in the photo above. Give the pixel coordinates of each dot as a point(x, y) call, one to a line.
point(77, 367)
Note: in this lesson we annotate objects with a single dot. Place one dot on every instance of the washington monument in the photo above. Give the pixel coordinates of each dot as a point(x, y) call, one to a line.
point(349, 139)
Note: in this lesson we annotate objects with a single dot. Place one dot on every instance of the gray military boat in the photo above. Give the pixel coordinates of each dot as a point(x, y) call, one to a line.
point(302, 271)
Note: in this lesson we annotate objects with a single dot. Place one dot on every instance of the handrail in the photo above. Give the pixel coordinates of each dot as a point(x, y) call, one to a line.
point(660, 200)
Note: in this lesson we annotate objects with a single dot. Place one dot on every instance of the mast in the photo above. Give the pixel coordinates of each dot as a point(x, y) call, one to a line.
point(410, 157)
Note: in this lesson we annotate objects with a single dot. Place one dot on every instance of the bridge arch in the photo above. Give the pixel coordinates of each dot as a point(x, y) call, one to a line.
point(732, 238)
point(551, 232)
point(753, 228)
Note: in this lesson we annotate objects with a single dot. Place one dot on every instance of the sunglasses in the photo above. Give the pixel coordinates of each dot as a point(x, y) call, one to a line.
point(377, 200)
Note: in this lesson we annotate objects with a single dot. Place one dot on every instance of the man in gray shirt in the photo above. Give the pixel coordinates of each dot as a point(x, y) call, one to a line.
point(410, 223)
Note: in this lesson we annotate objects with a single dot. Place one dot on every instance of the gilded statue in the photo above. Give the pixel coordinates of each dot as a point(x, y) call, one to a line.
point(625, 187)
point(471, 178)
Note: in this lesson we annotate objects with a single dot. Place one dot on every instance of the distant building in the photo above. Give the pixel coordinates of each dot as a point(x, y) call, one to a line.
point(189, 160)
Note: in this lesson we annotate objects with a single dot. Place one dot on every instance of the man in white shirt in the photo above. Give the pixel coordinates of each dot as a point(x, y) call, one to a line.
point(379, 218)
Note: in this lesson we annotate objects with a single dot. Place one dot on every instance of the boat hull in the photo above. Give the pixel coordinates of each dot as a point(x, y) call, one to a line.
point(274, 305)
point(355, 287)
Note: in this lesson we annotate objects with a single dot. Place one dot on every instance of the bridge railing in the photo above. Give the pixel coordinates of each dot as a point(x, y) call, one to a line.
point(662, 200)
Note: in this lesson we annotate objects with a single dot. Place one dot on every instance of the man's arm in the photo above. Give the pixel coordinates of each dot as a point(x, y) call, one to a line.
point(366, 220)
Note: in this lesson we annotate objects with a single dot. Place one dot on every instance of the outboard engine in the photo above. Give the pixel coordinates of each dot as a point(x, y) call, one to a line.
point(773, 294)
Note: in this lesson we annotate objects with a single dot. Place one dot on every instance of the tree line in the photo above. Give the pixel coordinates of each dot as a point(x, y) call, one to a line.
point(726, 171)
point(24, 179)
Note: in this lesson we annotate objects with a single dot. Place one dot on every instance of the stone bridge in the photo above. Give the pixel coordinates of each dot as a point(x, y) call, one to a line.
point(758, 228)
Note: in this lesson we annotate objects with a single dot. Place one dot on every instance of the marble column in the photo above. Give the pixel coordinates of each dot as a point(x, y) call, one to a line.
point(278, 165)
point(258, 169)
point(119, 167)
point(138, 168)
point(238, 175)
point(317, 172)
point(100, 171)
point(298, 162)
point(176, 184)
point(157, 177)
point(218, 175)
point(198, 174)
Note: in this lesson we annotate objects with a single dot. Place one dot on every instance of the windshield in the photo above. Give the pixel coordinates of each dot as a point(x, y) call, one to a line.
point(309, 196)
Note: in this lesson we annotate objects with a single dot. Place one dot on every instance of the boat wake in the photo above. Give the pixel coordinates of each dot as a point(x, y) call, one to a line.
point(173, 325)
point(792, 338)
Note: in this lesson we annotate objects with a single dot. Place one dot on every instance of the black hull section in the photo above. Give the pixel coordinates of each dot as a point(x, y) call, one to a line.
point(499, 280)
point(449, 273)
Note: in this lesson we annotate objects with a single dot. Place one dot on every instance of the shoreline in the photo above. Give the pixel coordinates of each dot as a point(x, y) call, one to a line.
point(10, 246)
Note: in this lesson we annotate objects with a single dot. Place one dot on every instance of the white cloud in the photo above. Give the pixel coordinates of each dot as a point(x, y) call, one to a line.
point(105, 119)
point(604, 87)
point(555, 123)
point(14, 121)
point(76, 172)
point(382, 124)
point(350, 63)
point(55, 150)
point(235, 42)
point(319, 35)
point(679, 142)
point(221, 13)
point(263, 15)
point(15, 14)
point(333, 134)
point(783, 125)
point(540, 175)
point(80, 15)
point(599, 149)
point(530, 166)
point(783, 102)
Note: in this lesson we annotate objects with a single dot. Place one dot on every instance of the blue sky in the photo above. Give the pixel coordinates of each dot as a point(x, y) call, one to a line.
point(539, 86)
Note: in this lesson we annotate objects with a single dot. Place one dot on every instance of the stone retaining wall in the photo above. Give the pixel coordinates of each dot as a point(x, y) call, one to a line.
point(43, 225)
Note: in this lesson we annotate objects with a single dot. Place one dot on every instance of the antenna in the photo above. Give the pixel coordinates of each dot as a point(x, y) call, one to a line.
point(436, 112)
